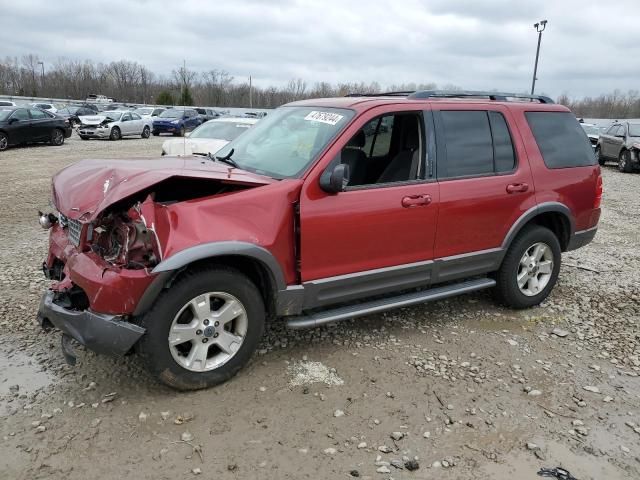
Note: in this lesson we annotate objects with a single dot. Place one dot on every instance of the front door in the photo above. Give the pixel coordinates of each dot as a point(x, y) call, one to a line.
point(386, 217)
point(40, 124)
point(20, 126)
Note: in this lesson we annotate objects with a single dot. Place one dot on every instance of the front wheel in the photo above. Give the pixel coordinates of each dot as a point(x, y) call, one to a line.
point(624, 162)
point(4, 142)
point(115, 134)
point(598, 153)
point(57, 137)
point(145, 132)
point(530, 268)
point(203, 329)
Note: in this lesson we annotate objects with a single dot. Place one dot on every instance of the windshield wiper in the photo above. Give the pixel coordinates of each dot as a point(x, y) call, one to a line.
point(227, 159)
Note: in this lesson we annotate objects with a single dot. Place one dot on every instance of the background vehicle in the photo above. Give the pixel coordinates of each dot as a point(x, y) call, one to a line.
point(176, 121)
point(114, 125)
point(45, 106)
point(593, 133)
point(73, 114)
point(209, 137)
point(187, 259)
point(92, 97)
point(206, 114)
point(31, 125)
point(621, 142)
point(148, 112)
point(7, 103)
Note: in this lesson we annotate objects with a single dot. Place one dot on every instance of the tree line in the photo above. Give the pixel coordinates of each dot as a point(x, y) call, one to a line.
point(131, 82)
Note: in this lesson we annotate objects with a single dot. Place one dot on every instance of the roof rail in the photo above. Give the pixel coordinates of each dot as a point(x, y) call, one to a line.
point(385, 94)
point(497, 96)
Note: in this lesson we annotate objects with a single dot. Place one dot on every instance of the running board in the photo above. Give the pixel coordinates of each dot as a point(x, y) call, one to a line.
point(375, 306)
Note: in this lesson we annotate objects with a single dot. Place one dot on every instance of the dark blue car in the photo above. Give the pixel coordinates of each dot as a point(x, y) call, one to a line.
point(177, 121)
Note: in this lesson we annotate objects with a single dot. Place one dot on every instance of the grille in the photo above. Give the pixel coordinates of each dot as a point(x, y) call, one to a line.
point(74, 229)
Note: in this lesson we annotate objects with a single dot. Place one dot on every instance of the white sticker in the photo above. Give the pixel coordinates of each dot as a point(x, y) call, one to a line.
point(324, 117)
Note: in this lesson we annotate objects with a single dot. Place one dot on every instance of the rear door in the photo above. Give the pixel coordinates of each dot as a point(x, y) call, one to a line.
point(40, 124)
point(137, 123)
point(485, 180)
point(608, 139)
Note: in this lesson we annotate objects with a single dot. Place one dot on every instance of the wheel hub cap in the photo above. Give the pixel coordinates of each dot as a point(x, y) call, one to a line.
point(535, 269)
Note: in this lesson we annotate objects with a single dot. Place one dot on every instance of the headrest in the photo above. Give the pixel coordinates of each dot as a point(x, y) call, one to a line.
point(411, 138)
point(358, 140)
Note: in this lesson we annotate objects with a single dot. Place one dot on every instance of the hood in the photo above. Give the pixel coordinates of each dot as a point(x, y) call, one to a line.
point(83, 190)
point(93, 119)
point(190, 146)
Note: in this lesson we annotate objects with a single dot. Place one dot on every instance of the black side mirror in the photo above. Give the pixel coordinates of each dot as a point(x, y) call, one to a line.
point(336, 180)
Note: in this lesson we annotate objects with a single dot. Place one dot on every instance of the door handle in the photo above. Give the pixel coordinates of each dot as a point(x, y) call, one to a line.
point(517, 187)
point(411, 201)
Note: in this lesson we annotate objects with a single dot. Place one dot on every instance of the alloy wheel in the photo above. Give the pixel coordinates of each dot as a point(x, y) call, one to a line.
point(535, 269)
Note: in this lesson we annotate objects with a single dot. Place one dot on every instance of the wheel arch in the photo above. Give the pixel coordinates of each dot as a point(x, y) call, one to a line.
point(553, 215)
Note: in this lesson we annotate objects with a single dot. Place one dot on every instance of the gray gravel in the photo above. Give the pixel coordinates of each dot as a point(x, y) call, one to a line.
point(453, 389)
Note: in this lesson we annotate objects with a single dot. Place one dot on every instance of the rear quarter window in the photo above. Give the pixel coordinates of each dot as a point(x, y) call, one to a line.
point(563, 143)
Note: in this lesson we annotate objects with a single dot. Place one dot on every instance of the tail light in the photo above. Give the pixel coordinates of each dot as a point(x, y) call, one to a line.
point(599, 189)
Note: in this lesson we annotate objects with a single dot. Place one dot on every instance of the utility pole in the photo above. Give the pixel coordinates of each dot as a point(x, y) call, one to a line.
point(250, 93)
point(540, 26)
point(42, 65)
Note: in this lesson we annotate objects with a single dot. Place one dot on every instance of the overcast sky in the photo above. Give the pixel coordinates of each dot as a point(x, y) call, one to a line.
point(588, 48)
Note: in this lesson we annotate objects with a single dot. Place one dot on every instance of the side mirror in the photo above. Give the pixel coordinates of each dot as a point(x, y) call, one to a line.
point(13, 120)
point(336, 180)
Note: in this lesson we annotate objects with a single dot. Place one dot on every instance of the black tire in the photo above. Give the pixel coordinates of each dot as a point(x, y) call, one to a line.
point(56, 137)
point(145, 132)
point(4, 142)
point(181, 132)
point(115, 134)
point(507, 291)
point(624, 162)
point(155, 134)
point(154, 348)
point(598, 153)
point(84, 137)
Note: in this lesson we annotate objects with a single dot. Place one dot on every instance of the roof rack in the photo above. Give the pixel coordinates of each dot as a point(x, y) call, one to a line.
point(424, 94)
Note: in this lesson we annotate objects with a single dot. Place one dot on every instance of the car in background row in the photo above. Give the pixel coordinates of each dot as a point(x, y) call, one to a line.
point(31, 125)
point(206, 114)
point(592, 131)
point(114, 125)
point(209, 137)
point(621, 143)
point(176, 121)
point(45, 106)
point(148, 112)
point(73, 114)
point(7, 103)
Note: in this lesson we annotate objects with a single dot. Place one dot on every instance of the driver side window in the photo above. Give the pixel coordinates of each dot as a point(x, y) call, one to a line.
point(387, 149)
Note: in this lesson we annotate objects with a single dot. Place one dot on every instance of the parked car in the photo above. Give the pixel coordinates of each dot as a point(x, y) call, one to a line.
point(209, 137)
point(114, 125)
point(92, 97)
point(7, 103)
point(49, 107)
point(31, 125)
point(206, 114)
point(73, 114)
point(621, 143)
point(176, 121)
point(593, 133)
point(148, 112)
point(184, 260)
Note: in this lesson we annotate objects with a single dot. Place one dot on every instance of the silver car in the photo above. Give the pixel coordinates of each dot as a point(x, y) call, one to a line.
point(114, 125)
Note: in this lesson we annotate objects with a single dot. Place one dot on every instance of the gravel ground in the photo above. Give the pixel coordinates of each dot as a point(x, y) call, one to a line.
point(452, 389)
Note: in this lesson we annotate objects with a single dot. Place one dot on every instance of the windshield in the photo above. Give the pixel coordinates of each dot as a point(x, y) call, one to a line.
point(144, 111)
point(115, 116)
point(171, 113)
point(4, 114)
point(634, 130)
point(591, 129)
point(220, 130)
point(286, 142)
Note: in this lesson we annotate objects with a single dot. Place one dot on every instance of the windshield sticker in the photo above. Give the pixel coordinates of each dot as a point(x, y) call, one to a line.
point(324, 117)
point(242, 125)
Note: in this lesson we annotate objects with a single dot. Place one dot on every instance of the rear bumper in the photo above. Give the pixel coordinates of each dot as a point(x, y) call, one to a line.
point(582, 238)
point(105, 334)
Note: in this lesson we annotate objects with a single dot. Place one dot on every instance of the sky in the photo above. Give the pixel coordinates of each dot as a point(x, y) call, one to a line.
point(588, 48)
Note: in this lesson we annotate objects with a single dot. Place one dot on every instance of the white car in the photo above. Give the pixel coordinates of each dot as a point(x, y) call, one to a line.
point(209, 137)
point(7, 103)
point(149, 112)
point(45, 106)
point(113, 125)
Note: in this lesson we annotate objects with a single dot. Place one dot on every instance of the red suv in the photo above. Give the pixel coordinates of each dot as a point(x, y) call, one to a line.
point(326, 210)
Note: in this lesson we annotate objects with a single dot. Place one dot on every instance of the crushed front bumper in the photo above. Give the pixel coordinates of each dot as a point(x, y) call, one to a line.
point(102, 333)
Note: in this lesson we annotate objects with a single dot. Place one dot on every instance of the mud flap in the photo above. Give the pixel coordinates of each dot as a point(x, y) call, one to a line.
point(67, 349)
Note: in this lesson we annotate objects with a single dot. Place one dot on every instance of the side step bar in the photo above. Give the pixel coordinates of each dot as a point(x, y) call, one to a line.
point(375, 306)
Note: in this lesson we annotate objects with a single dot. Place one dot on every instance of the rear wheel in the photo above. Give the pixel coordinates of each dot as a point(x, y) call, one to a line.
point(601, 159)
point(57, 137)
point(145, 132)
point(204, 329)
point(4, 142)
point(115, 134)
point(530, 268)
point(624, 161)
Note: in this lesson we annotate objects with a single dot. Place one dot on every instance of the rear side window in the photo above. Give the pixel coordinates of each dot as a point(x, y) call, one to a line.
point(469, 151)
point(561, 140)
point(503, 154)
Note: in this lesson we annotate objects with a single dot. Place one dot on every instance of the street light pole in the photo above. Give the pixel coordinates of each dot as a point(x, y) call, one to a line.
point(42, 65)
point(539, 28)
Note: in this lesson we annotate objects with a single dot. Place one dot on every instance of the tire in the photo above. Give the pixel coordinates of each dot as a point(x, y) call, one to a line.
point(145, 132)
point(155, 134)
point(56, 137)
point(508, 290)
point(624, 162)
point(115, 134)
point(4, 142)
point(598, 153)
point(181, 132)
point(84, 137)
point(175, 306)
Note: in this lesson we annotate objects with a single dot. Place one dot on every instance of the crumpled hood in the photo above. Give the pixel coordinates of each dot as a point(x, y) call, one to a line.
point(190, 146)
point(83, 190)
point(93, 119)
